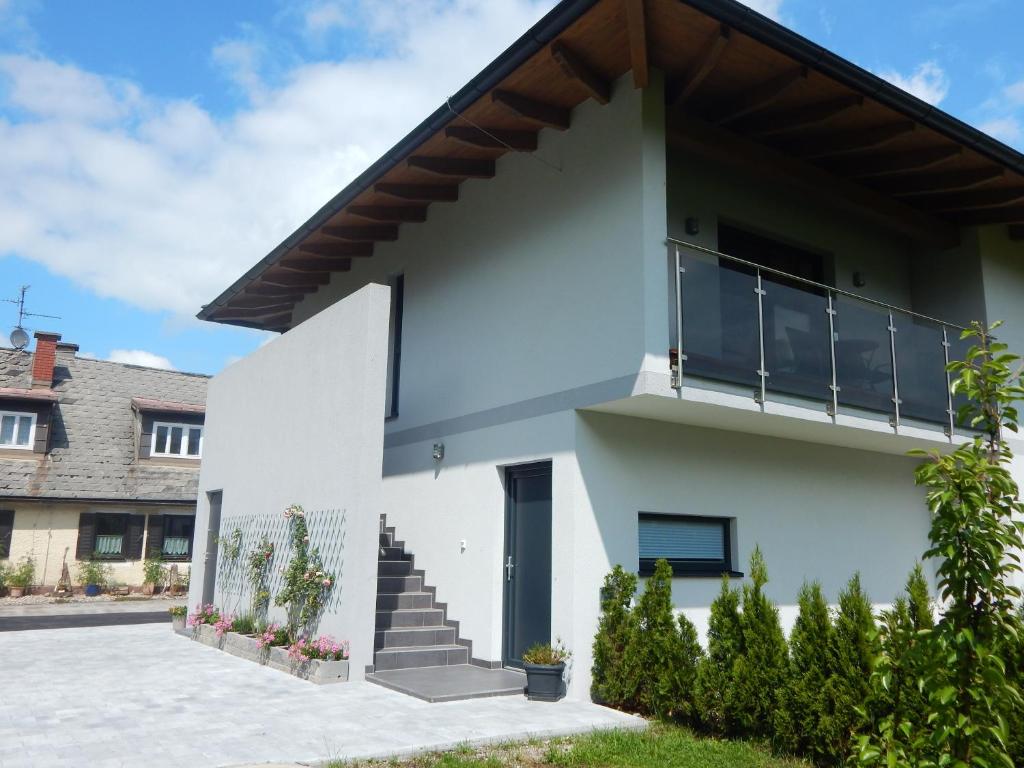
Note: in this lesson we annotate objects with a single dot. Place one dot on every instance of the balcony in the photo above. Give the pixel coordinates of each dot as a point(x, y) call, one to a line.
point(771, 333)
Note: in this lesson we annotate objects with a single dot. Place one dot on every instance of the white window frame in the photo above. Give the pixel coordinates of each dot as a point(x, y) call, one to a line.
point(31, 431)
point(184, 440)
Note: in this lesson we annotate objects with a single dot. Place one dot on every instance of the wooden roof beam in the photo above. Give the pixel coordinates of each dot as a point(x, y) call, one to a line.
point(599, 89)
point(274, 291)
point(242, 313)
point(759, 97)
point(427, 193)
point(678, 91)
point(801, 117)
point(265, 302)
point(848, 141)
point(345, 249)
point(317, 264)
point(459, 167)
point(969, 199)
point(858, 167)
point(941, 181)
point(1015, 231)
point(371, 233)
point(411, 214)
point(493, 138)
point(549, 115)
point(636, 28)
point(289, 279)
point(983, 216)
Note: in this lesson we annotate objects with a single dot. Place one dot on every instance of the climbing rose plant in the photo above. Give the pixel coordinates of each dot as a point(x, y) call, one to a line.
point(307, 584)
point(257, 567)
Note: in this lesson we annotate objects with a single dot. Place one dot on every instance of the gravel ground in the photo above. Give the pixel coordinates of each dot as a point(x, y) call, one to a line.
point(51, 600)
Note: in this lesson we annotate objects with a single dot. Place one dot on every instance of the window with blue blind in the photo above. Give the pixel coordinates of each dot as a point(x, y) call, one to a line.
point(693, 546)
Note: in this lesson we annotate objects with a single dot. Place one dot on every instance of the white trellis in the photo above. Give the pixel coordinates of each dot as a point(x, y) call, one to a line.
point(326, 529)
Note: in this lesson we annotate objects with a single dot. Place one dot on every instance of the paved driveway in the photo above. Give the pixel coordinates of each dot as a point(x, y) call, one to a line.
point(143, 696)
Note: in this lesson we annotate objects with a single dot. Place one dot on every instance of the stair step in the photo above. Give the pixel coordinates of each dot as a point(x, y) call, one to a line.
point(410, 617)
point(404, 600)
point(384, 540)
point(415, 656)
point(393, 553)
point(391, 584)
point(394, 568)
point(413, 636)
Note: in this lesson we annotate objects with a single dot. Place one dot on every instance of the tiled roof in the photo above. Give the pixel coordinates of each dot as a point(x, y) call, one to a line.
point(20, 393)
point(92, 441)
point(167, 406)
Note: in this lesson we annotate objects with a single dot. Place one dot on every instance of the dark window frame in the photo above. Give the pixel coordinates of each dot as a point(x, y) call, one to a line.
point(167, 519)
point(122, 518)
point(6, 537)
point(700, 568)
point(397, 283)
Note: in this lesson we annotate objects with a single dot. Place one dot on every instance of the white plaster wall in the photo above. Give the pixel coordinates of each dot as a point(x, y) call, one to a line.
point(532, 283)
point(1002, 264)
point(301, 421)
point(817, 512)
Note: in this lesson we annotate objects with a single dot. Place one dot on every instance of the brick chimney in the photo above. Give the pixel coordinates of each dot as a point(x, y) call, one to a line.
point(44, 359)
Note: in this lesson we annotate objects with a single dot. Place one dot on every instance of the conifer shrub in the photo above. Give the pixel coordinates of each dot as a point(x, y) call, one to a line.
point(760, 672)
point(660, 665)
point(811, 664)
point(613, 632)
point(715, 671)
point(853, 653)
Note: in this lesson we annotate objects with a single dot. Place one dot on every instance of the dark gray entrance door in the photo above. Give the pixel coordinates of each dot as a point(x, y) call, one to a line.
point(527, 564)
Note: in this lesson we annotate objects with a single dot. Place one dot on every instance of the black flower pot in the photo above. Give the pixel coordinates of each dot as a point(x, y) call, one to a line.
point(544, 682)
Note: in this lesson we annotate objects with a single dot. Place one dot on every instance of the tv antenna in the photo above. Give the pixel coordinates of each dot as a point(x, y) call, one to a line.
point(19, 336)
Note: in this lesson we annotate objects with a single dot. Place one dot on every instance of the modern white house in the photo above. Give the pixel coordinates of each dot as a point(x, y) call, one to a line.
point(479, 338)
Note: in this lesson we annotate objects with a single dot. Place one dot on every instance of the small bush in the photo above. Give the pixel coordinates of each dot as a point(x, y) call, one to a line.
point(714, 673)
point(244, 624)
point(153, 571)
point(759, 674)
point(810, 667)
point(23, 574)
point(613, 632)
point(660, 666)
point(853, 652)
point(546, 653)
point(93, 572)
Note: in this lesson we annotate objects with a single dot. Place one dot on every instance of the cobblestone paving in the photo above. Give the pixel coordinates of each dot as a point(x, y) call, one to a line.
point(108, 697)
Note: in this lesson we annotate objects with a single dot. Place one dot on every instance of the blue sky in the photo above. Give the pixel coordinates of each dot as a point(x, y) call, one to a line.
point(151, 152)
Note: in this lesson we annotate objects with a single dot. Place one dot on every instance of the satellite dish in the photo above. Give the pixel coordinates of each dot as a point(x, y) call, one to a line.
point(19, 339)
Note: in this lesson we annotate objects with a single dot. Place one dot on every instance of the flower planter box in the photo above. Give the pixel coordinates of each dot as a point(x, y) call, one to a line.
point(544, 681)
point(178, 624)
point(245, 647)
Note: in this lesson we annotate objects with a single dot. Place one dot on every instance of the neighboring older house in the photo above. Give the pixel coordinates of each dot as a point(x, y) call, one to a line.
point(664, 280)
point(98, 460)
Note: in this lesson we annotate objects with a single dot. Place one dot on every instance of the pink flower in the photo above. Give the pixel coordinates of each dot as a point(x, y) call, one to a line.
point(327, 582)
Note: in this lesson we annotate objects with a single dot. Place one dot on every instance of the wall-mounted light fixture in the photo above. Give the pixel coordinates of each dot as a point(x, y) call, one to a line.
point(692, 225)
point(438, 451)
point(858, 280)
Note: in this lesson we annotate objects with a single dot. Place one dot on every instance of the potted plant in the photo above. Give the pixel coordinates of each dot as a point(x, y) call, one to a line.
point(545, 665)
point(153, 573)
point(93, 576)
point(178, 613)
point(21, 576)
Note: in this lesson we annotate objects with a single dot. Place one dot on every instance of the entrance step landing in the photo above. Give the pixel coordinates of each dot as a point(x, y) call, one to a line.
point(451, 683)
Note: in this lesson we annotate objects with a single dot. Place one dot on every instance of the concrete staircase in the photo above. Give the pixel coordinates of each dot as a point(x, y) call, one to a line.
point(412, 629)
point(417, 648)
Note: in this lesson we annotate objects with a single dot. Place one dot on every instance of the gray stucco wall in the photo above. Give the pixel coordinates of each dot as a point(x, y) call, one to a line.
point(301, 421)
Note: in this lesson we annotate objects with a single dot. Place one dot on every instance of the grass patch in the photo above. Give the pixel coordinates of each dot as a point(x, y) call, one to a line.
point(659, 746)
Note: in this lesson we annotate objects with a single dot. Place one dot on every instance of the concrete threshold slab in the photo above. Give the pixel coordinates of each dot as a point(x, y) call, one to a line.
point(451, 683)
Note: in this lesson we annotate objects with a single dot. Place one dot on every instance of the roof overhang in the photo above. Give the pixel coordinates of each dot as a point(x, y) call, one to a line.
point(149, 405)
point(19, 394)
point(731, 75)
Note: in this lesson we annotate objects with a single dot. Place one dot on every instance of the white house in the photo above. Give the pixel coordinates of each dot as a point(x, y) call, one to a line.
point(479, 334)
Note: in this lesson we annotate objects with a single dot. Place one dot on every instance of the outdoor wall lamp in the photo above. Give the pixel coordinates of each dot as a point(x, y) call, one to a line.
point(438, 451)
point(692, 226)
point(858, 280)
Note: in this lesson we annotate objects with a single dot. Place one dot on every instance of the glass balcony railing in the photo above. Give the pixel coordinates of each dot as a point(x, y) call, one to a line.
point(757, 327)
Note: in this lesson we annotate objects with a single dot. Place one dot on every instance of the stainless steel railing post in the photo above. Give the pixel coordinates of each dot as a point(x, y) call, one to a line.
point(894, 420)
point(949, 386)
point(762, 371)
point(834, 386)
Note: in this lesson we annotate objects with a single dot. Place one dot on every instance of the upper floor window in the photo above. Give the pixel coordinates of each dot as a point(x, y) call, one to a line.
point(177, 440)
point(17, 430)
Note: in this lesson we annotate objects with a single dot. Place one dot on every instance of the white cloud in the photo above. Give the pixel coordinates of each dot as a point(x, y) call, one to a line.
point(928, 82)
point(140, 357)
point(1006, 129)
point(163, 205)
point(770, 8)
point(1015, 93)
point(321, 18)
